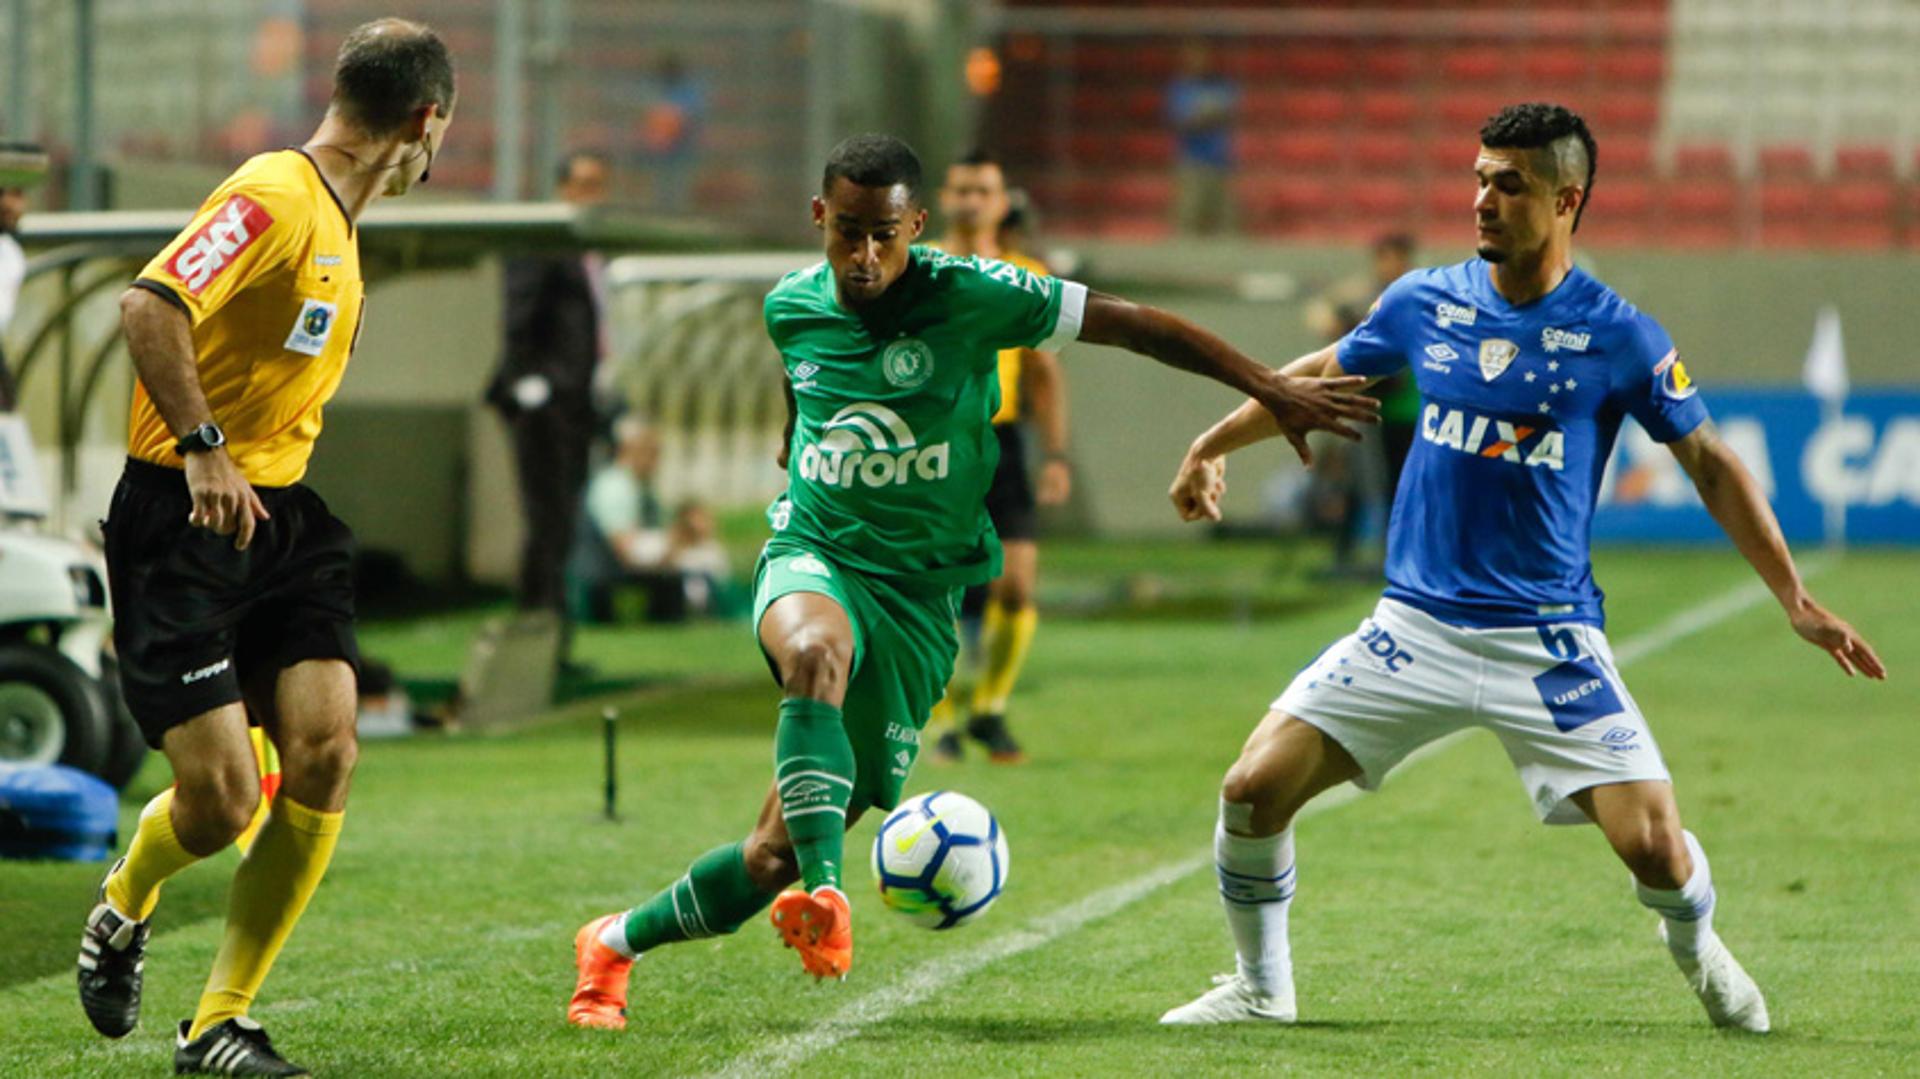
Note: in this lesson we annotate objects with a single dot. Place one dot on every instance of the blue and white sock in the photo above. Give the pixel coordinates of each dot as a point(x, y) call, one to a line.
point(1688, 909)
point(1256, 888)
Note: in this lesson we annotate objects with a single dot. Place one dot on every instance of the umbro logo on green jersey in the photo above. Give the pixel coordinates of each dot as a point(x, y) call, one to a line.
point(869, 444)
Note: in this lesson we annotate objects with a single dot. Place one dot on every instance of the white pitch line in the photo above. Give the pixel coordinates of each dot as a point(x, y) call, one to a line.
point(926, 980)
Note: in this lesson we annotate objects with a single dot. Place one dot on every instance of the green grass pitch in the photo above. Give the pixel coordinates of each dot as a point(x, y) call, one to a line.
point(1437, 929)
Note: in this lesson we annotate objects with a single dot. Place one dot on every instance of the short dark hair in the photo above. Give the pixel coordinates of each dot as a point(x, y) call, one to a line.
point(389, 68)
point(874, 161)
point(1553, 128)
point(1394, 241)
point(563, 171)
point(977, 157)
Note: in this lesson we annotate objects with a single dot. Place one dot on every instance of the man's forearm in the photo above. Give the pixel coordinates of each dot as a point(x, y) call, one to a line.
point(1049, 399)
point(1734, 499)
point(1250, 423)
point(160, 339)
point(1170, 339)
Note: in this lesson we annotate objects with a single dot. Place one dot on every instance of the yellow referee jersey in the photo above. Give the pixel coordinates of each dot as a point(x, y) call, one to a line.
point(1010, 357)
point(269, 274)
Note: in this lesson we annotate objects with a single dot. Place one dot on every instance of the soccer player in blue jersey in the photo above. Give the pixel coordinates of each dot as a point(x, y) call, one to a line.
point(1526, 366)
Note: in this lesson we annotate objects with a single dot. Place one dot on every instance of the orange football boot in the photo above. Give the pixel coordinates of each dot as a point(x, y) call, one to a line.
point(819, 927)
point(600, 996)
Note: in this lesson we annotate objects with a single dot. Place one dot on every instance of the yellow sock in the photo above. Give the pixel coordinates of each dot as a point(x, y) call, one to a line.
point(270, 891)
point(1005, 639)
point(942, 717)
point(154, 855)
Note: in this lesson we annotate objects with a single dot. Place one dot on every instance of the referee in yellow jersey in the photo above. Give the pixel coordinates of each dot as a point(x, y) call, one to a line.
point(975, 202)
point(232, 583)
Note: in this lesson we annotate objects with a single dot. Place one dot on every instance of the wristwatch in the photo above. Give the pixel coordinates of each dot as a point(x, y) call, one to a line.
point(207, 436)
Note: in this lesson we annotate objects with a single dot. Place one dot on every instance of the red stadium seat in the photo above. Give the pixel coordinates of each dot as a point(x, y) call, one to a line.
point(1863, 200)
point(1632, 157)
point(1293, 150)
point(1783, 200)
point(1475, 65)
point(1634, 65)
point(1619, 201)
point(1863, 162)
point(1144, 148)
point(1627, 113)
point(1314, 63)
point(1312, 107)
point(1703, 160)
point(1384, 201)
point(1701, 197)
point(1784, 161)
point(1388, 108)
point(1566, 67)
point(1463, 112)
point(1386, 65)
point(1383, 151)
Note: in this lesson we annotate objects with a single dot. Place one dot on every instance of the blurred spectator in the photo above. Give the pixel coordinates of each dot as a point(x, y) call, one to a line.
point(1201, 105)
point(1354, 476)
point(679, 566)
point(555, 338)
point(670, 133)
point(21, 165)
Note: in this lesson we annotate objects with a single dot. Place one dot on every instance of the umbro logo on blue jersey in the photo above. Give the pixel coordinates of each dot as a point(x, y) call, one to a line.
point(1441, 357)
point(1453, 314)
point(1484, 436)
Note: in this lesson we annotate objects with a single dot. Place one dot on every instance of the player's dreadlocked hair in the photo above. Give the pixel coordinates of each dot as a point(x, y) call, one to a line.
point(1555, 129)
point(388, 68)
point(874, 161)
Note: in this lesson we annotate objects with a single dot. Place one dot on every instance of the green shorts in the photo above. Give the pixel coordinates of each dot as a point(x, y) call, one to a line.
point(904, 646)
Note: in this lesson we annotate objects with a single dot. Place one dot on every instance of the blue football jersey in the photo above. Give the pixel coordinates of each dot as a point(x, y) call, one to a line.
point(1519, 407)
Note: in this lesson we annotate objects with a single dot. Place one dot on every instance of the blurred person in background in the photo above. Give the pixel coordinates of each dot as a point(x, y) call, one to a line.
point(629, 540)
point(555, 339)
point(1201, 105)
point(976, 204)
point(22, 165)
point(240, 330)
point(670, 133)
point(1352, 477)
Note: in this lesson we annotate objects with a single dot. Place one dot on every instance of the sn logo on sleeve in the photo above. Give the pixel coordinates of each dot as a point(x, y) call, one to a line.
point(210, 250)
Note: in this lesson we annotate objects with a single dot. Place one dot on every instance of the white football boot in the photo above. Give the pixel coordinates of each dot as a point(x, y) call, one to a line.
point(1233, 999)
point(1730, 995)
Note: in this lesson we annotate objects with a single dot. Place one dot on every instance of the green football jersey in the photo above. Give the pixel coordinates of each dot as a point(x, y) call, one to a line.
point(893, 446)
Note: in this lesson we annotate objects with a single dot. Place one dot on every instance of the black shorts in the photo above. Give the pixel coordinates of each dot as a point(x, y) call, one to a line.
point(1010, 501)
point(194, 619)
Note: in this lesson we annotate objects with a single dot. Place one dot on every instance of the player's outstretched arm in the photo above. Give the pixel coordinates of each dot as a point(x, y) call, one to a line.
point(1736, 501)
point(160, 339)
point(1298, 405)
point(1202, 478)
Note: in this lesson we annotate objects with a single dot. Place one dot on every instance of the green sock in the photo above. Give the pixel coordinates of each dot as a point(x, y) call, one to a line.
point(714, 898)
point(813, 766)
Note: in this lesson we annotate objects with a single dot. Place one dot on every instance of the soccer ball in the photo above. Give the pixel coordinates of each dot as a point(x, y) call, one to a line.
point(940, 859)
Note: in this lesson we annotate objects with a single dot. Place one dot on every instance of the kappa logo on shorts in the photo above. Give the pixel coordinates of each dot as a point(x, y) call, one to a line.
point(205, 672)
point(1576, 693)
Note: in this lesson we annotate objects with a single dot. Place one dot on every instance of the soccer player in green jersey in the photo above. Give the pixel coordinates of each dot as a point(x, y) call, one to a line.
point(890, 352)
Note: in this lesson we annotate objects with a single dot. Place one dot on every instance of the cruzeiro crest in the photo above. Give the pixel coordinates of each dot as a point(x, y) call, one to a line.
point(907, 363)
point(1496, 355)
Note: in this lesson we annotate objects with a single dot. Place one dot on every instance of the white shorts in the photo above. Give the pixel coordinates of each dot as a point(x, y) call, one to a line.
point(1551, 694)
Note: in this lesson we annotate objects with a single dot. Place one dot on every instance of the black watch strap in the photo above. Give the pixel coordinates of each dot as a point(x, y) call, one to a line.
point(207, 436)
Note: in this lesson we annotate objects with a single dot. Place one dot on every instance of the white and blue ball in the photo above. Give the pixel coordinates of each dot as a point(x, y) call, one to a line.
point(940, 859)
